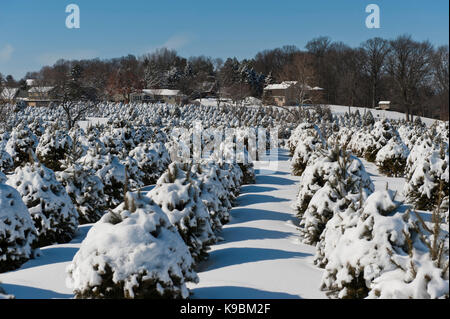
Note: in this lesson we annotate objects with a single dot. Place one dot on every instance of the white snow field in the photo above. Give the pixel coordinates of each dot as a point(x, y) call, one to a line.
point(260, 256)
point(377, 114)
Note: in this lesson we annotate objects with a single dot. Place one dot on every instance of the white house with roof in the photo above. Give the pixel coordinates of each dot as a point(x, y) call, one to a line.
point(384, 105)
point(284, 93)
point(157, 95)
point(41, 96)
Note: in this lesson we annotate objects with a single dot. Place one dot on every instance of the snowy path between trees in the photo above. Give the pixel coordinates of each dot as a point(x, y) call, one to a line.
point(260, 257)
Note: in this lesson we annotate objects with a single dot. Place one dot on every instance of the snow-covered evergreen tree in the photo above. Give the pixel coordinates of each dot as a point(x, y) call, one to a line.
point(343, 218)
point(391, 158)
point(424, 272)
point(153, 160)
point(327, 168)
point(111, 172)
point(428, 170)
point(379, 251)
point(346, 182)
point(368, 119)
point(310, 142)
point(213, 193)
point(382, 131)
point(17, 232)
point(54, 146)
point(51, 209)
point(21, 146)
point(86, 191)
point(301, 131)
point(134, 174)
point(180, 200)
point(6, 161)
point(132, 252)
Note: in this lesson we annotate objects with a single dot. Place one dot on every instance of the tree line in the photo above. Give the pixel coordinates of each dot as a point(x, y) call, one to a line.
point(412, 74)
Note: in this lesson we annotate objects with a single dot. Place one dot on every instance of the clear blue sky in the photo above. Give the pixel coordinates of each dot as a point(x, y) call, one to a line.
point(33, 32)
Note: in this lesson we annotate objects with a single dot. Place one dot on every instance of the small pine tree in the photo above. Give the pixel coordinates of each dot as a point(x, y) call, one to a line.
point(86, 192)
point(428, 172)
point(17, 232)
point(51, 209)
point(21, 143)
point(149, 259)
point(179, 198)
point(346, 184)
point(391, 159)
point(54, 146)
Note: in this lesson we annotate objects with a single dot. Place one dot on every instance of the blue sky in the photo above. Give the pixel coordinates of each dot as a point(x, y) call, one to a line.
point(33, 33)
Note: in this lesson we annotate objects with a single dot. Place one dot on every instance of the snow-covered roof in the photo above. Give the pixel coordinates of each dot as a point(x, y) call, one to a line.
point(287, 84)
point(384, 102)
point(9, 93)
point(30, 82)
point(41, 89)
point(280, 86)
point(162, 92)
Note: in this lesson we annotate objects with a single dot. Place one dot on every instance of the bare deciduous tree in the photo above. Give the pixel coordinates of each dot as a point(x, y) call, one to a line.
point(409, 64)
point(375, 52)
point(440, 69)
point(72, 94)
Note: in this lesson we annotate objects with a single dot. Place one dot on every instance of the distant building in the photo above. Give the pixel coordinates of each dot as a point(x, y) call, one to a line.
point(41, 96)
point(284, 93)
point(206, 89)
point(30, 82)
point(280, 94)
point(157, 95)
point(384, 105)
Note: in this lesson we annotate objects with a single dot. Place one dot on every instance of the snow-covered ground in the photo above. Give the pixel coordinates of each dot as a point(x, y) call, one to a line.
point(380, 181)
point(377, 114)
point(260, 257)
point(335, 109)
point(44, 277)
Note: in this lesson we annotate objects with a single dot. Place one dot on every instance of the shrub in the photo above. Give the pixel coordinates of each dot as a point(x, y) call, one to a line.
point(17, 232)
point(51, 209)
point(132, 252)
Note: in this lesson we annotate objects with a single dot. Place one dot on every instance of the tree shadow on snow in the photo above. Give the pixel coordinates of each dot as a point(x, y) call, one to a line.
point(58, 253)
point(25, 292)
point(242, 215)
point(249, 199)
point(274, 180)
point(270, 172)
point(81, 233)
point(51, 255)
point(256, 189)
point(242, 255)
point(235, 234)
point(233, 292)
